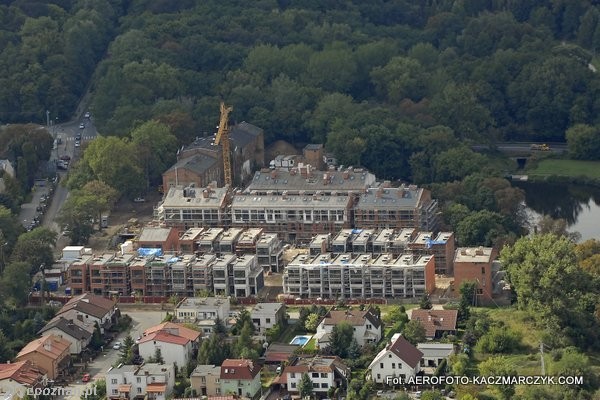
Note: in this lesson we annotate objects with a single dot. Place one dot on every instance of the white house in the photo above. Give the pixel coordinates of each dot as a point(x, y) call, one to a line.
point(434, 353)
point(92, 309)
point(366, 324)
point(175, 341)
point(399, 358)
point(324, 372)
point(155, 381)
point(7, 167)
point(203, 311)
point(69, 330)
point(267, 315)
point(16, 378)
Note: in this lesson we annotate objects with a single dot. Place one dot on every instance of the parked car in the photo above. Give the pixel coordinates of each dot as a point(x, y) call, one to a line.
point(86, 378)
point(77, 143)
point(82, 126)
point(139, 200)
point(117, 346)
point(87, 115)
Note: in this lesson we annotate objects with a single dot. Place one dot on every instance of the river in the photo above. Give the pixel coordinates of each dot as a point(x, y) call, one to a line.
point(579, 205)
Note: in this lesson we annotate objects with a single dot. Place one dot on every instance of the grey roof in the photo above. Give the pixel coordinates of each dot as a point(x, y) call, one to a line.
point(202, 302)
point(244, 133)
point(289, 201)
point(122, 368)
point(328, 181)
point(198, 163)
point(436, 350)
point(153, 234)
point(267, 308)
point(395, 198)
point(313, 146)
point(175, 198)
point(203, 370)
point(67, 327)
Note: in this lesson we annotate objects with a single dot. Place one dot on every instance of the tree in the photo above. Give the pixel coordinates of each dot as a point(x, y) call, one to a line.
point(534, 265)
point(425, 303)
point(219, 328)
point(499, 366)
point(305, 387)
point(214, 351)
point(126, 353)
point(414, 332)
point(467, 299)
point(558, 227)
point(273, 333)
point(157, 358)
point(342, 335)
point(156, 147)
point(312, 322)
point(16, 282)
point(97, 342)
point(104, 194)
point(98, 391)
point(583, 142)
point(432, 395)
point(499, 340)
point(35, 248)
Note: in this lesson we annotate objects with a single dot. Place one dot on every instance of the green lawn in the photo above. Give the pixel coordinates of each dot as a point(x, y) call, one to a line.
point(568, 168)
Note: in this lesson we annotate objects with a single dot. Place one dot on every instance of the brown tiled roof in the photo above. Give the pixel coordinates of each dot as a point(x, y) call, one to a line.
point(405, 351)
point(239, 369)
point(23, 372)
point(165, 337)
point(355, 318)
point(85, 308)
point(315, 364)
point(50, 346)
point(98, 301)
point(435, 320)
point(175, 329)
point(277, 352)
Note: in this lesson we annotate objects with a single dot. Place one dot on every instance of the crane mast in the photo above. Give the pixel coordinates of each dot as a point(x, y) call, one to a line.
point(223, 139)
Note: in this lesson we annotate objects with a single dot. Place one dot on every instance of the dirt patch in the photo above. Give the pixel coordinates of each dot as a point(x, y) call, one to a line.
point(125, 215)
point(280, 147)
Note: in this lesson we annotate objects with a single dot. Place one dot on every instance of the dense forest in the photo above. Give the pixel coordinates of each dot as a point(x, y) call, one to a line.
point(375, 81)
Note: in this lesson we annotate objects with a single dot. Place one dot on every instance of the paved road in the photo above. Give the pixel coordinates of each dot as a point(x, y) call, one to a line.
point(142, 320)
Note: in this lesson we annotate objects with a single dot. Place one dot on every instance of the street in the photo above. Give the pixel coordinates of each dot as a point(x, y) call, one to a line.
point(142, 320)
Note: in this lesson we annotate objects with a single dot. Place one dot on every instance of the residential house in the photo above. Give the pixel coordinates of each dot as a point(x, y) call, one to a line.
point(146, 381)
point(475, 265)
point(240, 377)
point(248, 151)
point(278, 353)
point(267, 315)
point(188, 241)
point(165, 239)
point(205, 380)
point(50, 353)
point(93, 309)
point(367, 326)
point(16, 378)
point(7, 168)
point(441, 246)
point(324, 372)
point(399, 358)
point(203, 311)
point(436, 322)
point(78, 274)
point(175, 342)
point(78, 337)
point(269, 252)
point(434, 353)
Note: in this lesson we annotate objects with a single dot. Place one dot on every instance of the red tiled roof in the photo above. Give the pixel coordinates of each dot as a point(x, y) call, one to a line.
point(166, 337)
point(156, 388)
point(239, 369)
point(175, 329)
point(435, 320)
point(51, 346)
point(23, 372)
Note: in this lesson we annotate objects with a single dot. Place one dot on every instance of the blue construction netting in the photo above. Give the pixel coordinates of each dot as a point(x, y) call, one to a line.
point(145, 252)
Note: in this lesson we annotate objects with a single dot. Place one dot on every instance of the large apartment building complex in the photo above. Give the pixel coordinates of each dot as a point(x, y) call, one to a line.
point(359, 276)
point(300, 202)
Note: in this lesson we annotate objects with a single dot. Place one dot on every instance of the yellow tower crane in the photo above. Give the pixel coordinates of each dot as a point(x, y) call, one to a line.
point(223, 139)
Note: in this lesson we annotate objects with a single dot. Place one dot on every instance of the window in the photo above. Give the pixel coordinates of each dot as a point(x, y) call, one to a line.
point(139, 390)
point(115, 391)
point(292, 375)
point(479, 291)
point(315, 385)
point(378, 376)
point(315, 374)
point(139, 380)
point(218, 391)
point(268, 320)
point(380, 365)
point(293, 385)
point(393, 365)
point(369, 326)
point(482, 270)
point(113, 381)
point(324, 385)
point(323, 375)
point(389, 356)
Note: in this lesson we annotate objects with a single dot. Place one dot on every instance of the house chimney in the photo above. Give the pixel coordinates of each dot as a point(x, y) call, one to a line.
point(284, 195)
point(346, 175)
point(325, 179)
point(206, 193)
point(387, 184)
point(48, 345)
point(274, 174)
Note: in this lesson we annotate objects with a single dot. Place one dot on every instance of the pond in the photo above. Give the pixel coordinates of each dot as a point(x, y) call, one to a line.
point(577, 204)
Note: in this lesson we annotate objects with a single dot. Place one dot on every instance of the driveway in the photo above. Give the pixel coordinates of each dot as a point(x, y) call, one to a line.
point(142, 320)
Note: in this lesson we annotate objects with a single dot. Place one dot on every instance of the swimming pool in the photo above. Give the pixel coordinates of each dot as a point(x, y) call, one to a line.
point(300, 340)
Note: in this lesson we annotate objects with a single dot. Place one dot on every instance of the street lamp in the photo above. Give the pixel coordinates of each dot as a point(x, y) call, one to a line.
point(48, 119)
point(42, 286)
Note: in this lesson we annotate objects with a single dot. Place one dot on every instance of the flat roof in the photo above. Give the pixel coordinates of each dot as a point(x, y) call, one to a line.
point(251, 201)
point(395, 198)
point(191, 234)
point(473, 254)
point(209, 235)
point(194, 198)
point(154, 234)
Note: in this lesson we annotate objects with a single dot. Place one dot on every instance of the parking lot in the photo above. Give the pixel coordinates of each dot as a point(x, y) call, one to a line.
point(142, 320)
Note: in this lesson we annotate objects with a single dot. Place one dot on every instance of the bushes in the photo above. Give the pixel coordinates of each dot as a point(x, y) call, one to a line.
point(499, 340)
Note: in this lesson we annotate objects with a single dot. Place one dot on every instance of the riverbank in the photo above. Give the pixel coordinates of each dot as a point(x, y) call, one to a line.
point(566, 171)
